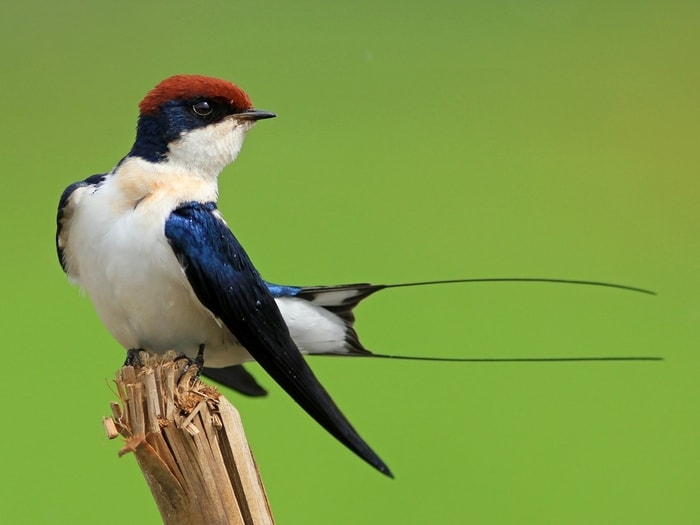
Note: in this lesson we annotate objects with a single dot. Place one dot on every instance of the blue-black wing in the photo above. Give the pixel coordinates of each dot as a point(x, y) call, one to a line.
point(227, 283)
point(65, 211)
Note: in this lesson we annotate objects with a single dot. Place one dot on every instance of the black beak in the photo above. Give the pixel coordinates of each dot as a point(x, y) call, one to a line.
point(255, 114)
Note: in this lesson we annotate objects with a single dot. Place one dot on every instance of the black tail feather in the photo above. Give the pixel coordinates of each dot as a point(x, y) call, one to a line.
point(559, 359)
point(237, 378)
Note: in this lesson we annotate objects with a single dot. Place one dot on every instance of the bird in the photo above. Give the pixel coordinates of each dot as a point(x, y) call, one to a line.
point(161, 267)
point(164, 271)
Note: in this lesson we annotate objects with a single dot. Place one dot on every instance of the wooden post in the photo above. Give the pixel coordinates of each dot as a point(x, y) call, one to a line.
point(189, 443)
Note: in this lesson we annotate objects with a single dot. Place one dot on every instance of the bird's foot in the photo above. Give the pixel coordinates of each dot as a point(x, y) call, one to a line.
point(197, 362)
point(133, 357)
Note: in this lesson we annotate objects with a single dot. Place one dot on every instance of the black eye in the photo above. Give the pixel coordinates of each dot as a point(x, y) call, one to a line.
point(202, 108)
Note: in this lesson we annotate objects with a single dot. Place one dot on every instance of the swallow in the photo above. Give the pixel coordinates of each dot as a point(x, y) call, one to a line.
point(164, 271)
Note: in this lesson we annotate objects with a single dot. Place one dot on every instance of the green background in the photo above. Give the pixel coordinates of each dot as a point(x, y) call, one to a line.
point(414, 141)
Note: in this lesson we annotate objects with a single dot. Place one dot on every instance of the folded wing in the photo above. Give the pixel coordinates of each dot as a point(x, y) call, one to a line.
point(226, 282)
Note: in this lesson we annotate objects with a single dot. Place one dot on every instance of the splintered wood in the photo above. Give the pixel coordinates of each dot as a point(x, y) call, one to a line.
point(189, 443)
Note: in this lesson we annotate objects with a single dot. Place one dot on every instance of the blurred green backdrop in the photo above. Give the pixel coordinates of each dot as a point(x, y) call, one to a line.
point(414, 141)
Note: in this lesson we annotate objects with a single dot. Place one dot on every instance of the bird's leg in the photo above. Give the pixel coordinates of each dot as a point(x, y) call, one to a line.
point(133, 357)
point(199, 360)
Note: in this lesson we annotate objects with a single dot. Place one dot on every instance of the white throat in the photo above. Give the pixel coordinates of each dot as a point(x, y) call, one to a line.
point(207, 151)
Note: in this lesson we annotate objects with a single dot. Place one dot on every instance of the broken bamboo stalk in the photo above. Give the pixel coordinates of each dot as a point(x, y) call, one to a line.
point(189, 443)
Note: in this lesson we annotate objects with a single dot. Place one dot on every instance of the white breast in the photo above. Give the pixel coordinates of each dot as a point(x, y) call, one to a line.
point(117, 251)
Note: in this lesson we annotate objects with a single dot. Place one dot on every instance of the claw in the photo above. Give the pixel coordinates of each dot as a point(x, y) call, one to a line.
point(197, 362)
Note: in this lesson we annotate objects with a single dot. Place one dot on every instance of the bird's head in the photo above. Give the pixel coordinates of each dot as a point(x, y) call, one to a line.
point(195, 123)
